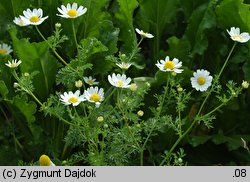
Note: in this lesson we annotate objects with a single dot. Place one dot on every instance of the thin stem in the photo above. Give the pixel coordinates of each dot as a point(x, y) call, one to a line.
point(53, 50)
point(199, 112)
point(13, 8)
point(144, 144)
point(26, 89)
point(229, 55)
point(74, 33)
point(180, 123)
point(152, 129)
point(113, 91)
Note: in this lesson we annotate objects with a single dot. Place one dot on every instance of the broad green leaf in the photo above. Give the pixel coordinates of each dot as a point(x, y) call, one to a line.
point(36, 57)
point(88, 24)
point(109, 36)
point(28, 109)
point(124, 17)
point(198, 140)
point(178, 48)
point(3, 89)
point(201, 21)
point(237, 11)
point(154, 17)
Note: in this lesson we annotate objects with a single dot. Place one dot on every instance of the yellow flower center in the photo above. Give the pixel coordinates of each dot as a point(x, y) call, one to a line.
point(95, 97)
point(90, 82)
point(72, 13)
point(201, 80)
point(44, 160)
point(120, 83)
point(73, 100)
point(237, 37)
point(169, 65)
point(34, 19)
point(3, 51)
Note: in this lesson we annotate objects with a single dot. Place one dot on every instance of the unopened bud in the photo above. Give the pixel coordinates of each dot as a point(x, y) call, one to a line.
point(15, 85)
point(78, 84)
point(245, 84)
point(26, 74)
point(58, 25)
point(179, 88)
point(133, 87)
point(100, 119)
point(140, 113)
point(173, 73)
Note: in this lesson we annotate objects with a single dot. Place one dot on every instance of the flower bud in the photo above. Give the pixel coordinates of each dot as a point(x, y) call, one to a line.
point(133, 87)
point(58, 25)
point(179, 88)
point(15, 85)
point(26, 74)
point(140, 113)
point(173, 73)
point(106, 126)
point(245, 84)
point(78, 84)
point(100, 119)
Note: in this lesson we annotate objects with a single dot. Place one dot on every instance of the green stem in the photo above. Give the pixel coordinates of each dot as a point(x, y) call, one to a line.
point(180, 123)
point(152, 129)
point(53, 50)
point(113, 91)
point(229, 55)
point(199, 112)
point(74, 33)
point(13, 8)
point(26, 89)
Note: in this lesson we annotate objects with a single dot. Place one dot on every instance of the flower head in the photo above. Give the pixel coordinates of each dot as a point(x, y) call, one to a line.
point(201, 80)
point(34, 17)
point(71, 11)
point(44, 160)
point(72, 98)
point(168, 65)
point(18, 21)
point(5, 49)
point(15, 63)
point(94, 95)
point(90, 81)
point(143, 34)
point(237, 36)
point(123, 65)
point(120, 81)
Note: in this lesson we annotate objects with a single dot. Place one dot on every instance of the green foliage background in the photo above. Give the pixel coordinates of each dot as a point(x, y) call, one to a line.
point(190, 30)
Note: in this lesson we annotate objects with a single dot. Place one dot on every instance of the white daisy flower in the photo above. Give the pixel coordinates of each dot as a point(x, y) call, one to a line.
point(94, 95)
point(18, 21)
point(168, 65)
point(72, 98)
point(14, 63)
point(123, 65)
point(71, 11)
point(5, 49)
point(90, 81)
point(144, 34)
point(119, 80)
point(201, 80)
point(237, 36)
point(34, 17)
